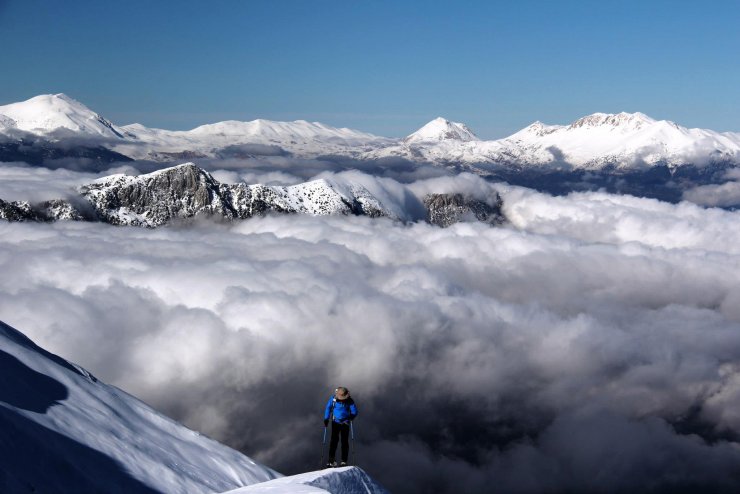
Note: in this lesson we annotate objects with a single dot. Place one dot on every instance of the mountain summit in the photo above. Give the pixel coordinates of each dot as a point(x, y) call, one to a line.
point(631, 121)
point(441, 129)
point(51, 113)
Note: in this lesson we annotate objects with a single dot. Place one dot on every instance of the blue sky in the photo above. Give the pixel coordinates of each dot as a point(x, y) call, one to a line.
point(382, 66)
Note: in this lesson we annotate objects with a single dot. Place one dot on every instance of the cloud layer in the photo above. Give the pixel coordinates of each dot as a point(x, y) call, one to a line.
point(591, 345)
point(724, 195)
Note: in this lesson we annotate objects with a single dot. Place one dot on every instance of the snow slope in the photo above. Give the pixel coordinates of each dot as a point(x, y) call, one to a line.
point(347, 480)
point(65, 431)
point(51, 113)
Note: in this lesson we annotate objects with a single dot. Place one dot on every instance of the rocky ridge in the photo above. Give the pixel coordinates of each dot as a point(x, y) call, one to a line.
point(186, 191)
point(46, 211)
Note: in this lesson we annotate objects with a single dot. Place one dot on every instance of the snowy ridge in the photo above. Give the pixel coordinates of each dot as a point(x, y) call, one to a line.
point(92, 437)
point(186, 191)
point(300, 130)
point(235, 138)
point(347, 480)
point(536, 129)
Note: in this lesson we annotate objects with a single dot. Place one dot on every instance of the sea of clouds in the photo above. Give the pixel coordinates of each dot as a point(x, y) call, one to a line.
point(592, 344)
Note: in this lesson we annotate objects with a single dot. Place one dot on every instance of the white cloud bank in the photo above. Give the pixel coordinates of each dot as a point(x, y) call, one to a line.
point(723, 195)
point(591, 345)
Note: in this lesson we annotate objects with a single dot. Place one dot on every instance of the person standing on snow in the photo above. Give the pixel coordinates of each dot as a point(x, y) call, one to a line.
point(341, 410)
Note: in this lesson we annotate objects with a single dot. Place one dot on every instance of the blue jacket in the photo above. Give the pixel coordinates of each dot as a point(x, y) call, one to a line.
point(340, 411)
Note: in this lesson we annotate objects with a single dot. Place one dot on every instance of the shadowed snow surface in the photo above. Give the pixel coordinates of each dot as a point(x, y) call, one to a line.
point(65, 431)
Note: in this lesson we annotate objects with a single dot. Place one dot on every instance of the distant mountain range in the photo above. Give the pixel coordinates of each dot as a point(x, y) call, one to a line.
point(641, 151)
point(623, 140)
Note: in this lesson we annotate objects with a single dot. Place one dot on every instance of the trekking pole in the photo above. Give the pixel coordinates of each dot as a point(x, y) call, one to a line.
point(352, 435)
point(323, 447)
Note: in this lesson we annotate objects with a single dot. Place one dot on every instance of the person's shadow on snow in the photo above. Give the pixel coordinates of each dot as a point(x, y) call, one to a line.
point(23, 387)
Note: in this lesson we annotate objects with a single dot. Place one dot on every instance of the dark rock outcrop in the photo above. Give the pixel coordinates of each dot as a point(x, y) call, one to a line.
point(446, 209)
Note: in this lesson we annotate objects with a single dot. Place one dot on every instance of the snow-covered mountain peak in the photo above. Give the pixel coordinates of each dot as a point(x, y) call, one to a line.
point(182, 168)
point(169, 173)
point(536, 129)
point(441, 129)
point(67, 99)
point(48, 113)
point(624, 120)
